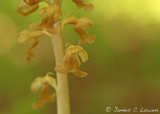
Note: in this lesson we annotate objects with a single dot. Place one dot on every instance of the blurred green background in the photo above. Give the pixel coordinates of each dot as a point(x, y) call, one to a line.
point(124, 64)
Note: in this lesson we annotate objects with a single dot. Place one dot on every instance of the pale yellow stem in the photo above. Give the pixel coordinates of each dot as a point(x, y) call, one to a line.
point(63, 105)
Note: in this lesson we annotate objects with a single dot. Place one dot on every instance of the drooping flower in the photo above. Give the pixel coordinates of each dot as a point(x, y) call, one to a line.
point(72, 61)
point(43, 85)
point(25, 9)
point(50, 15)
point(81, 4)
point(80, 26)
point(32, 2)
point(26, 37)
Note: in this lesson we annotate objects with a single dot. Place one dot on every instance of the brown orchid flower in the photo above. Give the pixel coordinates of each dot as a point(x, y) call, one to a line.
point(43, 85)
point(27, 7)
point(32, 2)
point(80, 26)
point(71, 58)
point(51, 16)
point(26, 37)
point(24, 9)
point(81, 4)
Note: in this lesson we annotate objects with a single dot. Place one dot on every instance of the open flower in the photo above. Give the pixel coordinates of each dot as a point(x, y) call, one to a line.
point(25, 9)
point(50, 16)
point(81, 4)
point(71, 58)
point(26, 37)
point(43, 85)
point(80, 26)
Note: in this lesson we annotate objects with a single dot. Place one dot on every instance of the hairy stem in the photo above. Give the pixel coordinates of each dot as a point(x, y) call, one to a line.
point(63, 105)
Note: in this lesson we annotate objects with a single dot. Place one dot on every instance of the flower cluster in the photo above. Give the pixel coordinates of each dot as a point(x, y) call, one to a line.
point(74, 54)
point(50, 15)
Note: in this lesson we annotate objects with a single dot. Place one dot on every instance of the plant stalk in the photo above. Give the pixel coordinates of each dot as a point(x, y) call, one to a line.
point(63, 105)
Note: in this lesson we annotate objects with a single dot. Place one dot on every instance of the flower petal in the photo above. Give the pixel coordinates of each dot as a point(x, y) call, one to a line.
point(72, 54)
point(26, 37)
point(32, 2)
point(51, 16)
point(81, 4)
point(43, 84)
point(45, 97)
point(24, 9)
point(29, 52)
point(80, 26)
